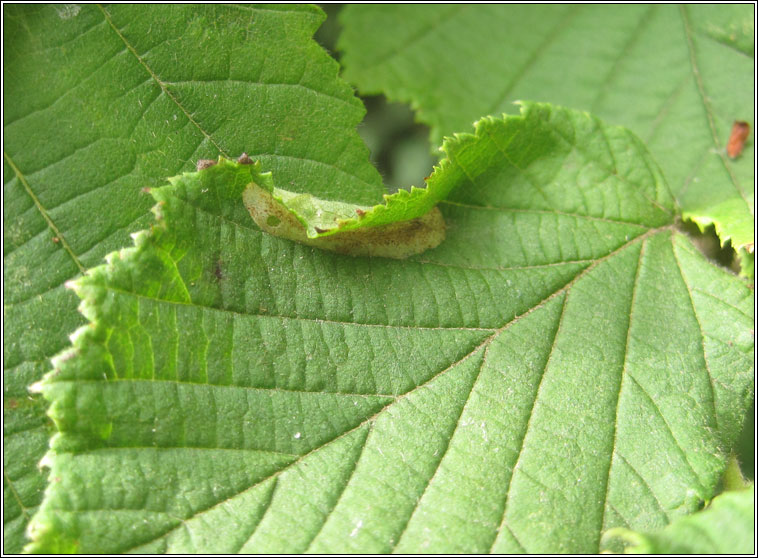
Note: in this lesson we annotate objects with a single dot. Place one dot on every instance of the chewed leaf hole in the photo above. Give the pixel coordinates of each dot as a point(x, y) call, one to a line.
point(710, 245)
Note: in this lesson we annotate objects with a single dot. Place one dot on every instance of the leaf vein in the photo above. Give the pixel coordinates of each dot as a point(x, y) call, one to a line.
point(622, 53)
point(160, 83)
point(333, 440)
point(328, 514)
point(43, 212)
point(10, 484)
point(270, 499)
point(311, 161)
point(522, 443)
point(405, 45)
point(720, 300)
point(668, 429)
point(543, 211)
point(612, 172)
point(430, 479)
point(261, 84)
point(708, 109)
point(283, 317)
point(623, 373)
point(531, 60)
point(645, 484)
point(708, 372)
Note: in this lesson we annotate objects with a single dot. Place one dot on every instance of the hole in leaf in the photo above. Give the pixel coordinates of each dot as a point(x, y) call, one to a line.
point(398, 144)
point(329, 32)
point(745, 447)
point(709, 244)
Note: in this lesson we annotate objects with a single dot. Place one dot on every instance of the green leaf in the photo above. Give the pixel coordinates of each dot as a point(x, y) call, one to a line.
point(100, 103)
point(747, 263)
point(726, 526)
point(733, 478)
point(563, 363)
point(678, 76)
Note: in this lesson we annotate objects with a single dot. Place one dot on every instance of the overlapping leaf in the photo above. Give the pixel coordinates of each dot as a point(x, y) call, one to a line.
point(727, 526)
point(565, 362)
point(678, 76)
point(100, 103)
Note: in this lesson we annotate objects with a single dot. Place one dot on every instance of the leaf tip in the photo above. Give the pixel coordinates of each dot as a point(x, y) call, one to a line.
point(72, 284)
point(36, 387)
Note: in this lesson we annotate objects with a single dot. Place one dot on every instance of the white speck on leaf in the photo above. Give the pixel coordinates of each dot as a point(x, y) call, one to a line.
point(357, 528)
point(67, 11)
point(297, 435)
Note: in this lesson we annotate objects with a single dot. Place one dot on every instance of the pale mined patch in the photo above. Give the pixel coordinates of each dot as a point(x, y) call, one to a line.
point(396, 240)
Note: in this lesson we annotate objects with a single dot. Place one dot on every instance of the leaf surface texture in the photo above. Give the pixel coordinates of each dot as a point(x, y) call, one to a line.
point(520, 387)
point(103, 102)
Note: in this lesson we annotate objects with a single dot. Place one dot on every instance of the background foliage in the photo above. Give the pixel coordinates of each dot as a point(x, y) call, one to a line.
point(678, 76)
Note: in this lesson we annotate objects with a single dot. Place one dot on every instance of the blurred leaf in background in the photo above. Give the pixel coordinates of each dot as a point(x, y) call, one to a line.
point(678, 76)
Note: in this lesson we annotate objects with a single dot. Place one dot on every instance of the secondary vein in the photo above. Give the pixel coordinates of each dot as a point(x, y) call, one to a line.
point(43, 211)
point(160, 82)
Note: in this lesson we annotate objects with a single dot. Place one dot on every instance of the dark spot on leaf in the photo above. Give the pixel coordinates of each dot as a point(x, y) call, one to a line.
point(245, 159)
point(218, 272)
point(56, 239)
point(273, 220)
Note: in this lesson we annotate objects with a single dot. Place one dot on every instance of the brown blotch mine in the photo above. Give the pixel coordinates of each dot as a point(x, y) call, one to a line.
point(205, 163)
point(395, 240)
